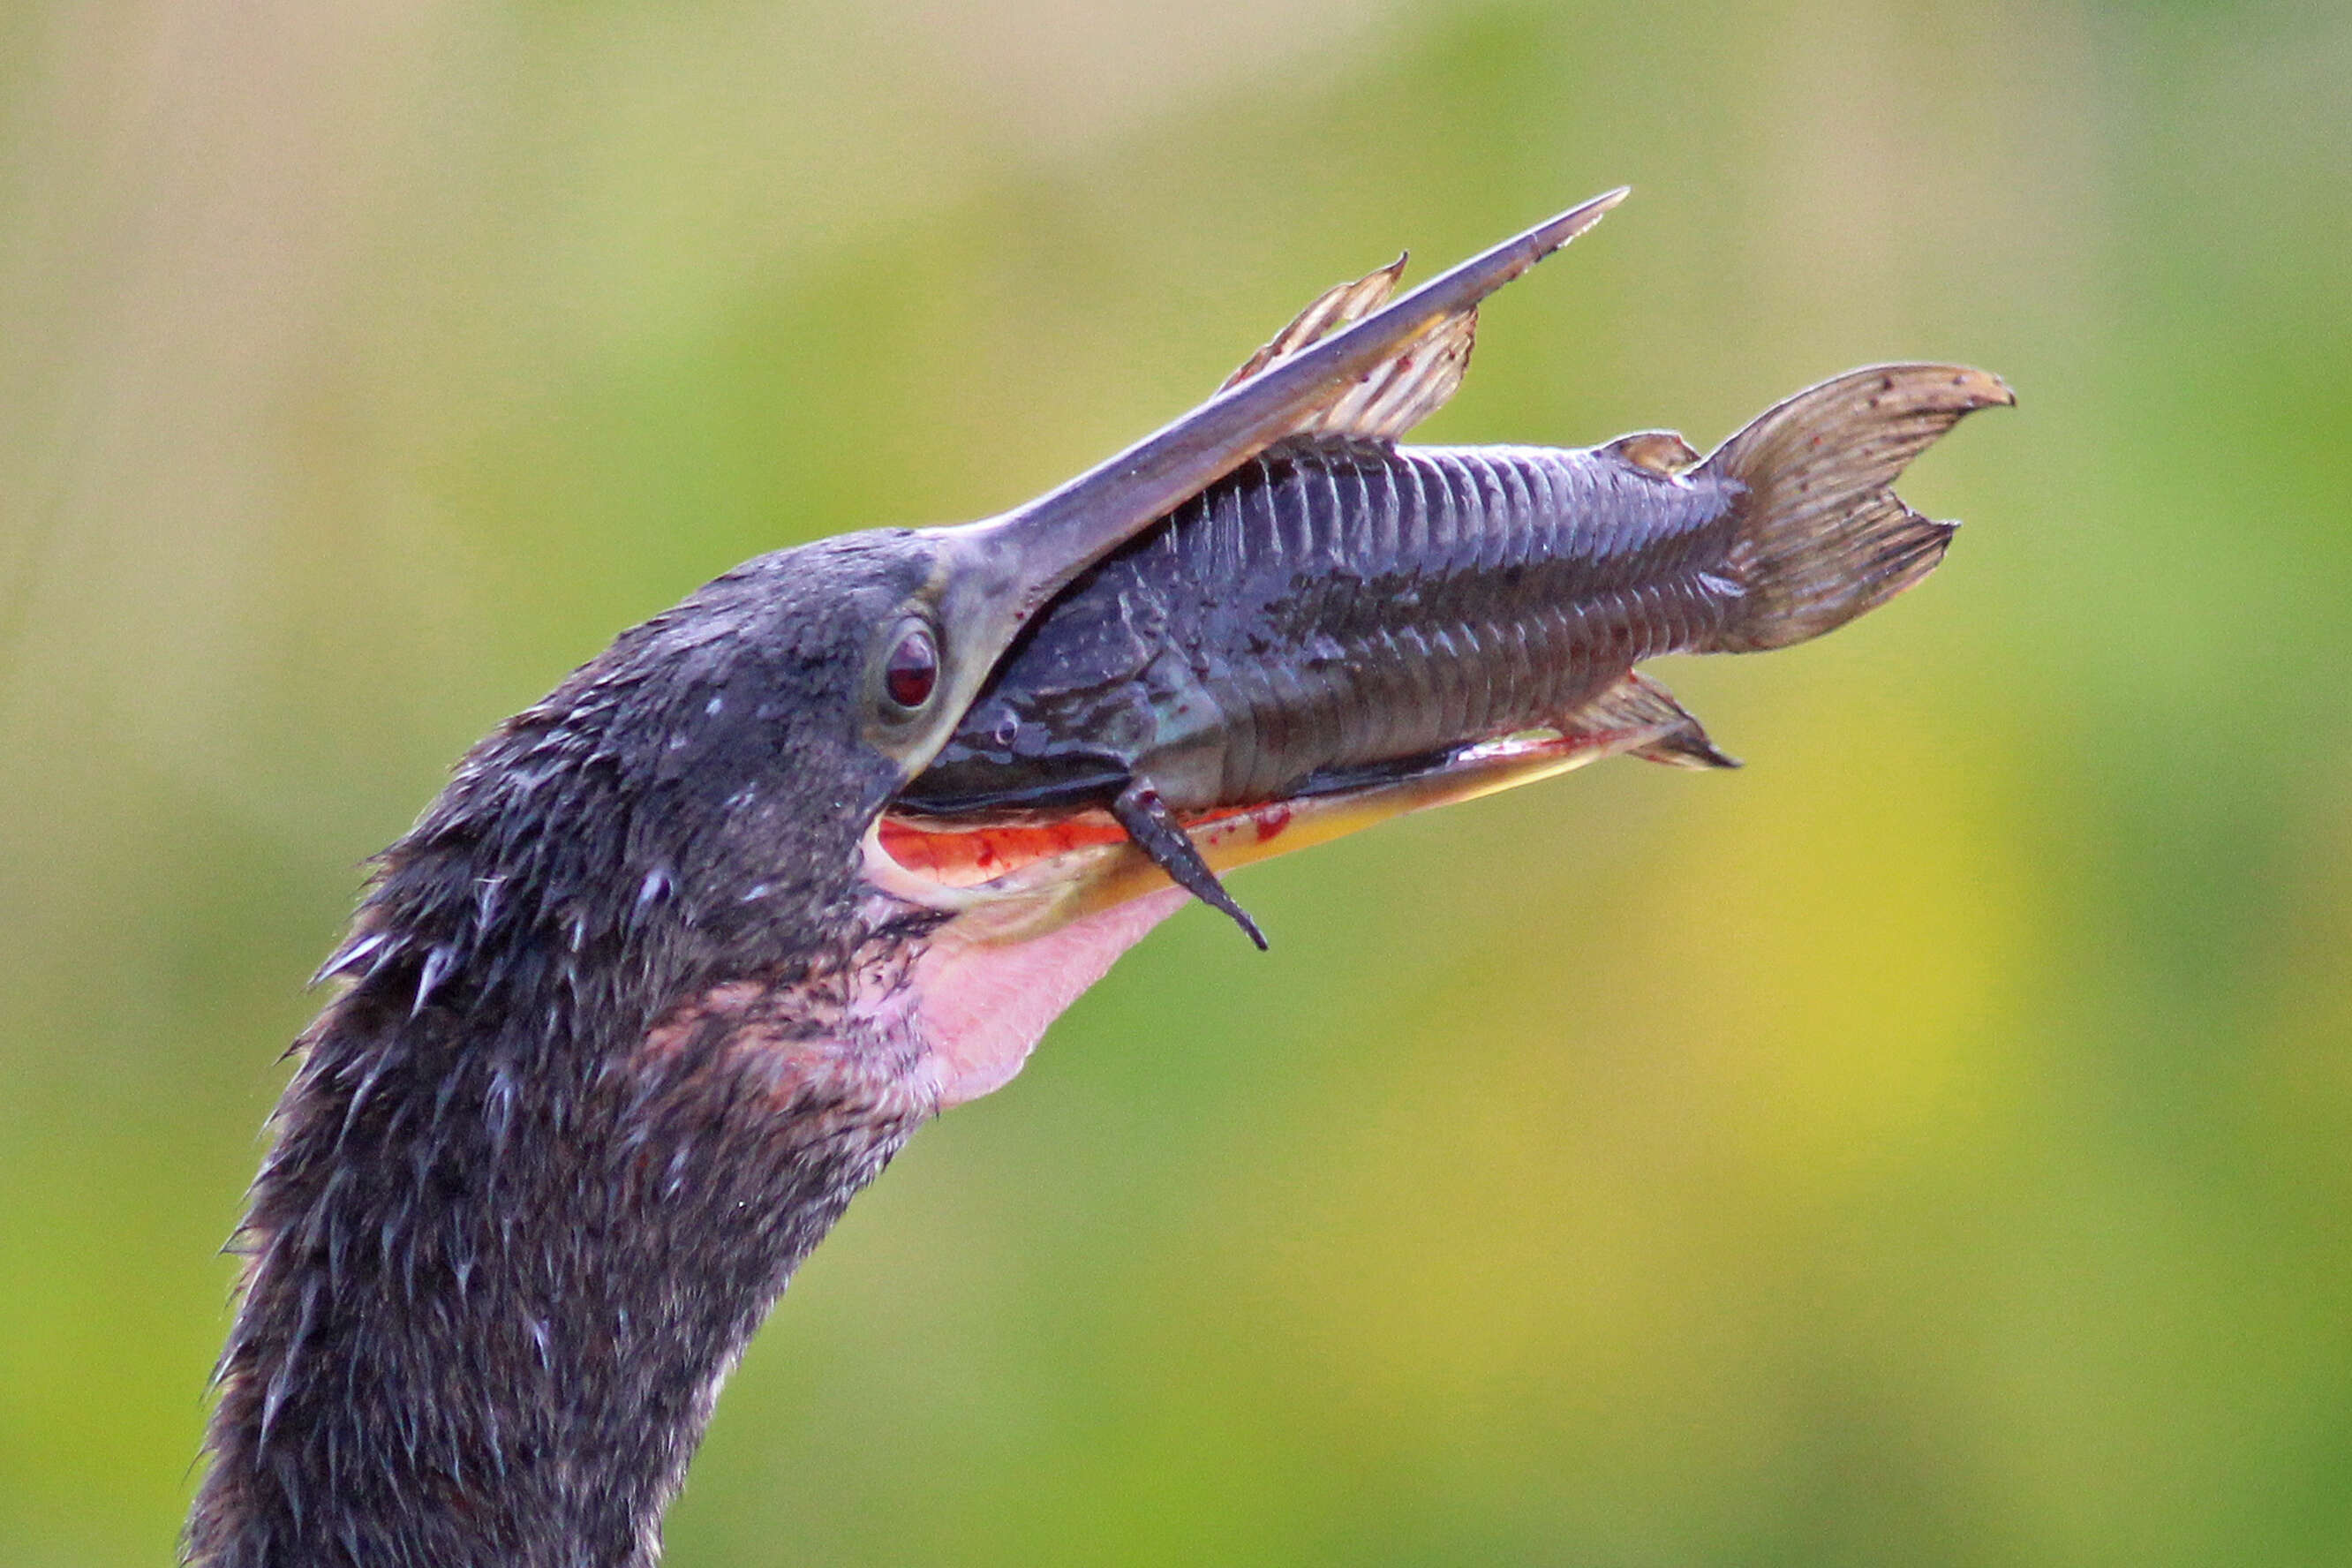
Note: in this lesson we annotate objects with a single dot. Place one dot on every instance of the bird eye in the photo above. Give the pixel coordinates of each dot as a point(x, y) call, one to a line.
point(912, 670)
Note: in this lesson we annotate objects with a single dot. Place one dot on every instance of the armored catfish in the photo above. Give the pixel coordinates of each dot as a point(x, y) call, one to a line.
point(1342, 610)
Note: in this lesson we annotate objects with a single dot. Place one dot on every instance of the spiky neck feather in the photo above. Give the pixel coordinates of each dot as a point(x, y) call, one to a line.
point(498, 1264)
point(500, 1256)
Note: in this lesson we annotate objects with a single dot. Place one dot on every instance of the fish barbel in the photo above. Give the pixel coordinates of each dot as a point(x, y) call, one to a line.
point(1341, 613)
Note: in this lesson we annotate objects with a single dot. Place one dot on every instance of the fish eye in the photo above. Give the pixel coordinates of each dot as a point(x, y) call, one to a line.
point(911, 673)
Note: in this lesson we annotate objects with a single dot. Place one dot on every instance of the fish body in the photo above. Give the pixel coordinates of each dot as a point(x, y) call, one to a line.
point(1338, 611)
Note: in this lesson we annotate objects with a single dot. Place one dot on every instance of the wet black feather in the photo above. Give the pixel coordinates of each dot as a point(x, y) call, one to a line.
point(500, 1253)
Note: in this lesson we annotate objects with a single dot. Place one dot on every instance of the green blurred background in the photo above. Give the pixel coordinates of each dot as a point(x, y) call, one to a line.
point(1928, 1146)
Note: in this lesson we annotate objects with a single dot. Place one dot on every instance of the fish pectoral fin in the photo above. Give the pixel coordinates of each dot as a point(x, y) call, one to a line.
point(1638, 703)
point(1155, 830)
point(1398, 394)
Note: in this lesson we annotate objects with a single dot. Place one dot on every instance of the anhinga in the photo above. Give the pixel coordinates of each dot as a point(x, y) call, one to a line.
point(686, 952)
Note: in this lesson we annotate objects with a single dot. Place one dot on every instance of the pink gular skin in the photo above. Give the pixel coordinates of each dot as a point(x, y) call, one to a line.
point(979, 1009)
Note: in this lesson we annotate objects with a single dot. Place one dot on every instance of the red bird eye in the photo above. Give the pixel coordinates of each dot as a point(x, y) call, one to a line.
point(913, 669)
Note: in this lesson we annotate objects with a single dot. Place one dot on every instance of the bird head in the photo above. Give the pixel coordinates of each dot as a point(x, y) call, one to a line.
point(728, 775)
point(665, 975)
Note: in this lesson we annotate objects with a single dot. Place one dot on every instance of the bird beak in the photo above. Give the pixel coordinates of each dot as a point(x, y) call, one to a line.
point(999, 572)
point(1014, 882)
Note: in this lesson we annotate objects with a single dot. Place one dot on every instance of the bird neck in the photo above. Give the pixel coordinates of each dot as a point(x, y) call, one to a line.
point(500, 1262)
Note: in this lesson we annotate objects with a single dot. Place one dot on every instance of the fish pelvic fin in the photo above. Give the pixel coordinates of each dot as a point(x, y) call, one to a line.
point(1154, 829)
point(1822, 535)
point(1639, 703)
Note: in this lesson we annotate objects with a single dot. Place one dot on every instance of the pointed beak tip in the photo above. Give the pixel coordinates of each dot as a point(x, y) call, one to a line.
point(1578, 219)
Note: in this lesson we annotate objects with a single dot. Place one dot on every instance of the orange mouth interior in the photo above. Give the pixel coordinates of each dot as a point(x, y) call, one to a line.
point(1016, 879)
point(968, 856)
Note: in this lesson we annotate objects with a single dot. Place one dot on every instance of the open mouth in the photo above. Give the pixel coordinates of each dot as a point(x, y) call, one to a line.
point(1017, 875)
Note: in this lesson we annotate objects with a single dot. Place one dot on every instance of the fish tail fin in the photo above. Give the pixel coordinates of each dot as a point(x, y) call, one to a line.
point(1822, 535)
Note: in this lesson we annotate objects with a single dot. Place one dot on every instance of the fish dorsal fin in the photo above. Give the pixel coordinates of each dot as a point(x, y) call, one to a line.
point(1340, 305)
point(1396, 395)
point(1080, 521)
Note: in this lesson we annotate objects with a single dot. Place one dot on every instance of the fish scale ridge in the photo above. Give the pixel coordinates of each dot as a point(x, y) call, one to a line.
point(1456, 575)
